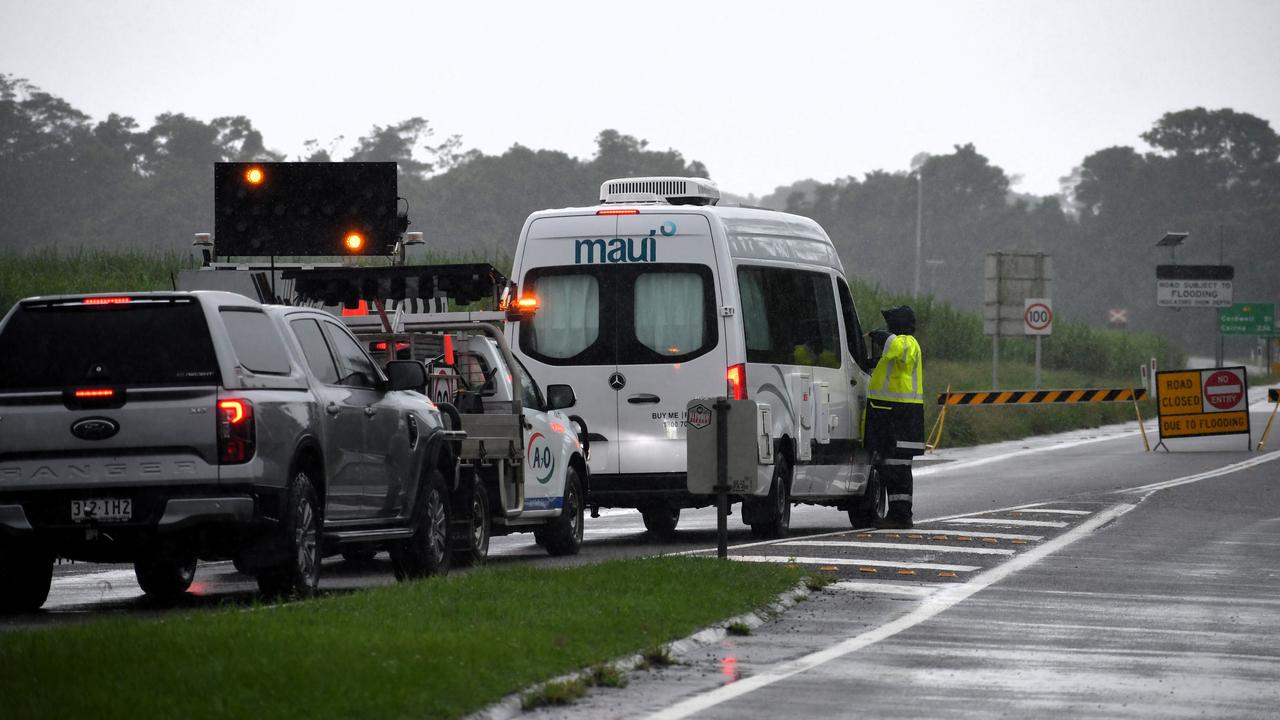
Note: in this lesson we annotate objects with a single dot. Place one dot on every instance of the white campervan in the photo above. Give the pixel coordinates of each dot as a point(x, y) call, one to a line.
point(657, 295)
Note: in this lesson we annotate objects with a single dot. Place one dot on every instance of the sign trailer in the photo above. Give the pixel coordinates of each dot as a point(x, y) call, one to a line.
point(1196, 403)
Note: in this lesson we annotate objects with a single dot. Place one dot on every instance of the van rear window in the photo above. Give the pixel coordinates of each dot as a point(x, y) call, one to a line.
point(611, 315)
point(143, 342)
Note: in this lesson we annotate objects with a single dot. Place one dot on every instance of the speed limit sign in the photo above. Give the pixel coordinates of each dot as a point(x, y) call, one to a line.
point(1037, 317)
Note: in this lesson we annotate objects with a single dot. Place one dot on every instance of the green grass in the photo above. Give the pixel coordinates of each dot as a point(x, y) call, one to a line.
point(556, 692)
point(738, 628)
point(440, 648)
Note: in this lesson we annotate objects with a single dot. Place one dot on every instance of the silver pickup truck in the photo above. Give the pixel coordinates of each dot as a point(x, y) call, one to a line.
point(162, 428)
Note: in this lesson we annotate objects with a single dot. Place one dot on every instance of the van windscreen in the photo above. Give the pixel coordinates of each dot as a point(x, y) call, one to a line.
point(143, 342)
point(607, 315)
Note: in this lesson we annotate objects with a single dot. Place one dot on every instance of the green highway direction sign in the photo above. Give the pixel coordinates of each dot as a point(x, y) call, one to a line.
point(1248, 319)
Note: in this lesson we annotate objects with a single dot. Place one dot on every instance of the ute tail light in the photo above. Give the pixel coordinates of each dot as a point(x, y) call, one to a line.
point(236, 434)
point(736, 380)
point(106, 301)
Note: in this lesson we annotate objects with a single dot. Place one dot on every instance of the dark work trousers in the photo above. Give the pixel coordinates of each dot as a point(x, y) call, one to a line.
point(896, 432)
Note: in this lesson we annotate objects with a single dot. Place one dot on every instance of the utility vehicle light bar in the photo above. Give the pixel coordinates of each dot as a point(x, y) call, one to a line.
point(465, 283)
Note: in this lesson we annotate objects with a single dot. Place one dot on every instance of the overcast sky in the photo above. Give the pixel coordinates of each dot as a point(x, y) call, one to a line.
point(764, 93)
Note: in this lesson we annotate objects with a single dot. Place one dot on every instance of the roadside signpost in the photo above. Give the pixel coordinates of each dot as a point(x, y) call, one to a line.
point(1200, 286)
point(1247, 319)
point(1196, 403)
point(1010, 279)
point(1037, 320)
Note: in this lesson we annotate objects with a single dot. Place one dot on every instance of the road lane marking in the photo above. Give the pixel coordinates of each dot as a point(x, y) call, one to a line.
point(901, 546)
point(794, 560)
point(1011, 521)
point(975, 533)
point(1186, 479)
point(1051, 510)
point(930, 607)
point(977, 462)
point(885, 587)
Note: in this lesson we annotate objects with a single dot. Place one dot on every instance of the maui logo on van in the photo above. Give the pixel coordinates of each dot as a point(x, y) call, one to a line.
point(621, 250)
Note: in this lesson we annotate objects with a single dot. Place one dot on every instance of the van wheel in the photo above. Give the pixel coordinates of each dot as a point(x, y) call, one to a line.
point(25, 577)
point(660, 519)
point(165, 576)
point(426, 553)
point(564, 534)
point(776, 520)
point(874, 503)
point(299, 575)
point(477, 549)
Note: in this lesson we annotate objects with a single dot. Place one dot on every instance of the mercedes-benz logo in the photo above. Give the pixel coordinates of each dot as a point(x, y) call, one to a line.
point(617, 381)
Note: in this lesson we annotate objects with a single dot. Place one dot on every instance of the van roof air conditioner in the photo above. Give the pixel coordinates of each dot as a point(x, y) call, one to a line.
point(669, 190)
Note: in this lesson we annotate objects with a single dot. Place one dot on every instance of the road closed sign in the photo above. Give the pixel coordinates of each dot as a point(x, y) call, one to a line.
point(1194, 403)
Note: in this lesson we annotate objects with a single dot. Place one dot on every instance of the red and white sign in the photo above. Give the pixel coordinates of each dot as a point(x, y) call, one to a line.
point(1037, 316)
point(1223, 390)
point(1118, 316)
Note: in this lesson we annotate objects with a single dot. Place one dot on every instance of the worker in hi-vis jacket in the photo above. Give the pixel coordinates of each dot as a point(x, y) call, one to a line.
point(895, 410)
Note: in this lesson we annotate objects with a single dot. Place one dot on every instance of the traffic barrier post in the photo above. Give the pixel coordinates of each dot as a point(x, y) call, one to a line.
point(1274, 396)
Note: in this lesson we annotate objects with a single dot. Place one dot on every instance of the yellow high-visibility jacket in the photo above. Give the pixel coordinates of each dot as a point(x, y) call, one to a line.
point(899, 375)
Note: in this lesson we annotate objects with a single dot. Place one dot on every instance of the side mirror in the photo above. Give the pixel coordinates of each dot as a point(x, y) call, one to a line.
point(560, 397)
point(407, 374)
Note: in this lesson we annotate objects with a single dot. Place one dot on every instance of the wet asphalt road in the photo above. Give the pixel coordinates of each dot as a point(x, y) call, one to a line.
point(1045, 577)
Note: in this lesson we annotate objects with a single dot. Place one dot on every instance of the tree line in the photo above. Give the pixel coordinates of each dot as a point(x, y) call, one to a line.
point(69, 182)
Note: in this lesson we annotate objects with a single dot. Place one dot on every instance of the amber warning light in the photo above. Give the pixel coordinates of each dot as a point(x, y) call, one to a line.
point(254, 175)
point(354, 241)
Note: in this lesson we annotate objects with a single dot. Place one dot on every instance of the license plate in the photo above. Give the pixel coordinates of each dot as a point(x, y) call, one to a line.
point(102, 510)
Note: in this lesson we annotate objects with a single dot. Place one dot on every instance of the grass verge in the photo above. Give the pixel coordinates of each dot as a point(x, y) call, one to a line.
point(440, 648)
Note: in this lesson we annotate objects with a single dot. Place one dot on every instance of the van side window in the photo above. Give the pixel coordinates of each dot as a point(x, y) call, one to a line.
point(856, 342)
point(360, 370)
point(316, 350)
point(568, 321)
point(789, 317)
point(257, 344)
point(668, 312)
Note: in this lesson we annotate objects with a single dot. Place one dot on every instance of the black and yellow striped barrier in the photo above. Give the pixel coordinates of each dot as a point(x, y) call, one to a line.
point(1032, 397)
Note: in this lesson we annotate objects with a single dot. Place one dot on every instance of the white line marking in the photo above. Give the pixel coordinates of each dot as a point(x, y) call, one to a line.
point(998, 521)
point(931, 606)
point(966, 533)
point(897, 546)
point(886, 587)
point(798, 560)
point(1056, 512)
point(1224, 470)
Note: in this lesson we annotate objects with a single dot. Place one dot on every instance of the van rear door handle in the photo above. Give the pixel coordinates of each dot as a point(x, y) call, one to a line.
point(643, 398)
point(332, 408)
point(370, 410)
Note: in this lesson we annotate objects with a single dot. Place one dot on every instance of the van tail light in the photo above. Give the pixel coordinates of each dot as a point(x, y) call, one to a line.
point(736, 377)
point(236, 436)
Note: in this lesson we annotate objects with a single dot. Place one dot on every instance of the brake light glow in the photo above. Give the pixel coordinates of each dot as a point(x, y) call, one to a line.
point(449, 359)
point(618, 211)
point(233, 410)
point(736, 377)
point(400, 345)
point(237, 438)
point(105, 301)
point(99, 393)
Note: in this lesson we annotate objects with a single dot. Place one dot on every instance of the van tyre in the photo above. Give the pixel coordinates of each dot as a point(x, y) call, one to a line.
point(25, 576)
point(477, 549)
point(165, 576)
point(775, 516)
point(661, 519)
point(564, 535)
point(426, 553)
point(873, 506)
point(298, 576)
